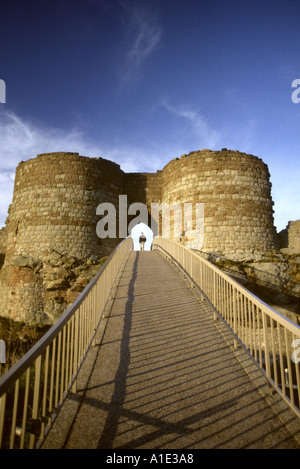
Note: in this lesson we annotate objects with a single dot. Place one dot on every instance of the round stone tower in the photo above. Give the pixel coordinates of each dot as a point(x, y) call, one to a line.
point(53, 213)
point(235, 191)
point(54, 205)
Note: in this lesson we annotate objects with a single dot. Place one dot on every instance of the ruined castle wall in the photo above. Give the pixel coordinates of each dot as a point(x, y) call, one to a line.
point(294, 235)
point(54, 205)
point(135, 187)
point(289, 238)
point(56, 196)
point(54, 210)
point(145, 188)
point(21, 293)
point(3, 240)
point(236, 192)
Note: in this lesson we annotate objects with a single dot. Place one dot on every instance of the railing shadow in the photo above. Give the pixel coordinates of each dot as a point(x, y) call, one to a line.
point(118, 397)
point(191, 392)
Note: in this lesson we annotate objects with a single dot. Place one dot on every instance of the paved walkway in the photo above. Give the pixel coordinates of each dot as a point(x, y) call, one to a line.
point(165, 376)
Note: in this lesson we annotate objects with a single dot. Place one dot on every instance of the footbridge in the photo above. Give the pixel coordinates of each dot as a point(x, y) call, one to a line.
point(162, 350)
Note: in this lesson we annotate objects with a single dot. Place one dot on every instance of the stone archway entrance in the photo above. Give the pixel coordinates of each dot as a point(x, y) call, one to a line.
point(136, 232)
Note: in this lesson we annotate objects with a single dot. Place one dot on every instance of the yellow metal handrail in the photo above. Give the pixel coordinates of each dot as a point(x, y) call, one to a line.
point(34, 389)
point(271, 339)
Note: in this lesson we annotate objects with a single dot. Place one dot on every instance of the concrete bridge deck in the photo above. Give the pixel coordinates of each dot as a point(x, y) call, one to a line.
point(166, 377)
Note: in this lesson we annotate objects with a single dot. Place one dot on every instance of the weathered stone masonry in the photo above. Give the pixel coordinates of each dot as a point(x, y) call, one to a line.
point(289, 238)
point(56, 196)
point(236, 192)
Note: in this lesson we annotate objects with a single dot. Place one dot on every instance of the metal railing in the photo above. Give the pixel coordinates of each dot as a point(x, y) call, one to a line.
point(272, 340)
point(269, 280)
point(34, 389)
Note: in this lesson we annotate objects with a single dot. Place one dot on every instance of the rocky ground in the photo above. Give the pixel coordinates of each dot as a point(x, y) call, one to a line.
point(61, 280)
point(275, 278)
point(19, 337)
point(64, 278)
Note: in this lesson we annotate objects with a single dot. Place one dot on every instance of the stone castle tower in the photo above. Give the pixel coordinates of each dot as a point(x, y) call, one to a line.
point(56, 196)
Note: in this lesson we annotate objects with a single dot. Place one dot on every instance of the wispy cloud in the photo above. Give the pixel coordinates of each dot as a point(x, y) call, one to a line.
point(145, 43)
point(143, 36)
point(203, 131)
point(22, 139)
point(242, 135)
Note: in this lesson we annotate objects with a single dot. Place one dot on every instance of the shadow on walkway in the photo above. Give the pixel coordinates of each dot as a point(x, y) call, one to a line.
point(164, 376)
point(118, 397)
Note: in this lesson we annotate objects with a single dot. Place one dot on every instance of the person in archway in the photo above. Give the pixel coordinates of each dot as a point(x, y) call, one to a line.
point(142, 241)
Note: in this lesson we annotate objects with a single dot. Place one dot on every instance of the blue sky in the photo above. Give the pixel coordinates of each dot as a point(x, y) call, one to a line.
point(143, 81)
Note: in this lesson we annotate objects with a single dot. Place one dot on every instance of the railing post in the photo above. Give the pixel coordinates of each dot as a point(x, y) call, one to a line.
point(94, 306)
point(36, 400)
point(76, 339)
point(26, 396)
point(235, 342)
point(214, 296)
point(2, 414)
point(14, 419)
point(266, 340)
